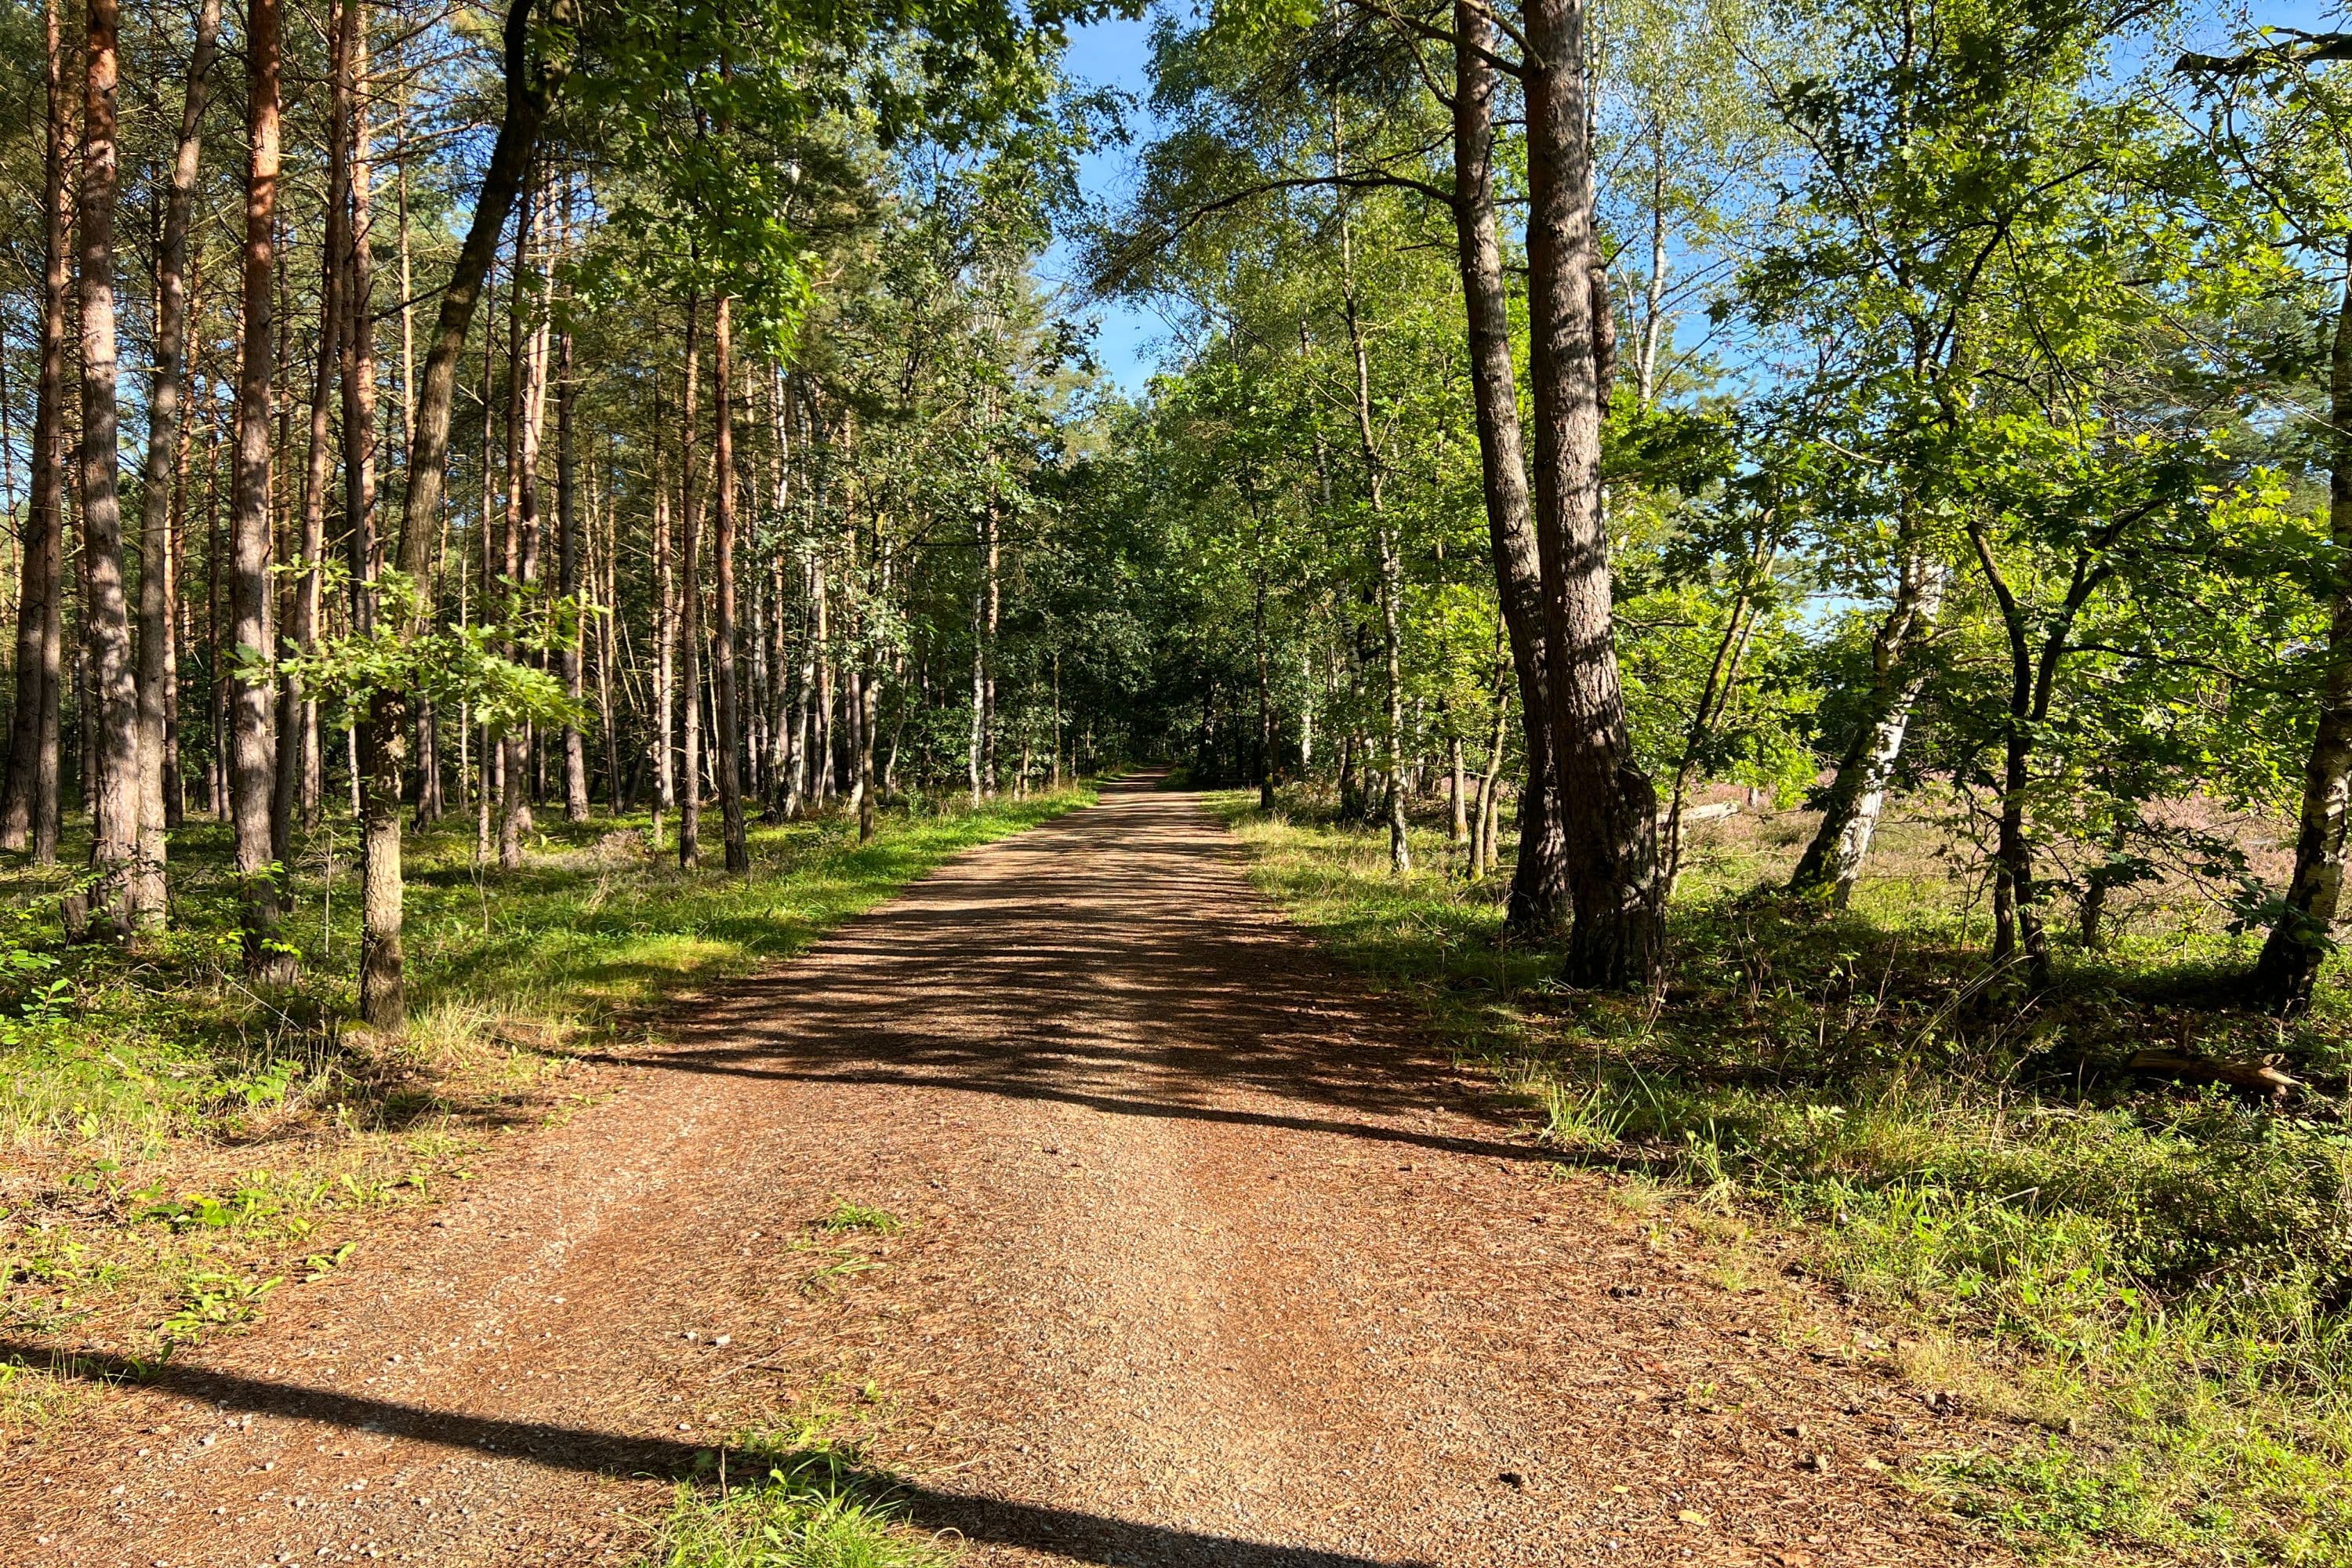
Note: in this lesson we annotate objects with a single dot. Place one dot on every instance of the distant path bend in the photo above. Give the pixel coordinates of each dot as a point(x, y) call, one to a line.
point(1209, 1260)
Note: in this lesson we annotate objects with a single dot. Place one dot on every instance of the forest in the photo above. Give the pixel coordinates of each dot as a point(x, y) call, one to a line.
point(1779, 575)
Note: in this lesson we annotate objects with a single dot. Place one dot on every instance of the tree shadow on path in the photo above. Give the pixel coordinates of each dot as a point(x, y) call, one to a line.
point(1081, 1537)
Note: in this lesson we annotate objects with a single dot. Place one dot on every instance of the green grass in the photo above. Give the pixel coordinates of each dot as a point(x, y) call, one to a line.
point(847, 1216)
point(177, 1150)
point(2155, 1280)
point(799, 1496)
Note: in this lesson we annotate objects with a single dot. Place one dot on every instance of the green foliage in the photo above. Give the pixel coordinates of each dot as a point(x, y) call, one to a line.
point(456, 666)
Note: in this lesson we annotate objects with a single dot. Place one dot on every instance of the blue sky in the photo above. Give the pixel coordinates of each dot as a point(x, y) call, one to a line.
point(1115, 53)
point(1129, 339)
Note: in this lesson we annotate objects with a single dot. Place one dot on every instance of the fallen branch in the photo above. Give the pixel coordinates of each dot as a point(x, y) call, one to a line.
point(2254, 1077)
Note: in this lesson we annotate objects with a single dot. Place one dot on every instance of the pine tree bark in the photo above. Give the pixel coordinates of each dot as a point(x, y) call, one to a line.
point(252, 737)
point(665, 630)
point(30, 808)
point(525, 400)
point(298, 765)
point(379, 779)
point(1609, 809)
point(356, 345)
point(689, 573)
point(567, 573)
point(722, 545)
point(163, 451)
point(1538, 895)
point(125, 895)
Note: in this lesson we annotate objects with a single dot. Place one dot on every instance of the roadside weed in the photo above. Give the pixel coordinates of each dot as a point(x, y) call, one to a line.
point(847, 1216)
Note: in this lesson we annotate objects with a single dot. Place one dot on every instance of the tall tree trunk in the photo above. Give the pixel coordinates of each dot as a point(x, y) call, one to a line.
point(1482, 839)
point(616, 797)
point(125, 894)
point(377, 782)
point(984, 633)
point(869, 706)
point(689, 566)
point(163, 449)
point(820, 748)
point(664, 612)
point(216, 685)
point(29, 802)
point(175, 612)
point(1456, 787)
point(301, 765)
point(357, 345)
point(382, 990)
point(1389, 560)
point(796, 736)
point(2300, 939)
point(526, 401)
point(567, 573)
point(252, 740)
point(484, 773)
point(722, 545)
point(1539, 897)
point(1263, 764)
point(1611, 821)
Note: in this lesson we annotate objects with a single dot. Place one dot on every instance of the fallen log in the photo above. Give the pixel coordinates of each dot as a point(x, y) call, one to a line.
point(2254, 1077)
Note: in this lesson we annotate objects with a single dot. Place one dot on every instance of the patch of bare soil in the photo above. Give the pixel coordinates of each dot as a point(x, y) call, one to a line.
point(1207, 1258)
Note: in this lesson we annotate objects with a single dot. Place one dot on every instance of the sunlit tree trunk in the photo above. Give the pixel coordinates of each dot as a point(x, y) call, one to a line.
point(722, 548)
point(1539, 881)
point(526, 399)
point(983, 633)
point(124, 894)
point(689, 571)
point(253, 739)
point(567, 574)
point(1857, 798)
point(299, 765)
point(664, 702)
point(1387, 556)
point(795, 761)
point(164, 450)
point(1610, 810)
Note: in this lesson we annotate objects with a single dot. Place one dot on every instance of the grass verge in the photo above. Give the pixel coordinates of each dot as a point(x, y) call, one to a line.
point(2156, 1279)
point(177, 1147)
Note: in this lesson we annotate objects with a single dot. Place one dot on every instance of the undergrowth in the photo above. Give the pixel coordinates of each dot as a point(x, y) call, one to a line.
point(799, 1496)
point(177, 1148)
point(2156, 1279)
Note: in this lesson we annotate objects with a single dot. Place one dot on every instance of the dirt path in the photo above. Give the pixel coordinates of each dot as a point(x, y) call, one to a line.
point(1207, 1260)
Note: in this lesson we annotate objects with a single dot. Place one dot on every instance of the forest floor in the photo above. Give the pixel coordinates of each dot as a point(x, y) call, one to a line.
point(1073, 1207)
